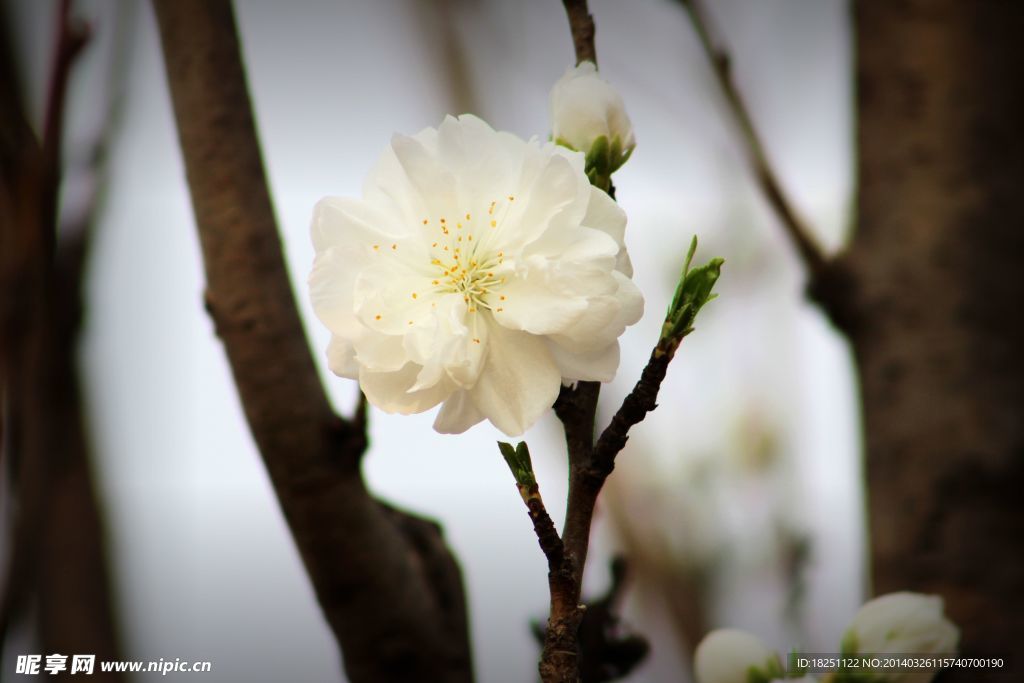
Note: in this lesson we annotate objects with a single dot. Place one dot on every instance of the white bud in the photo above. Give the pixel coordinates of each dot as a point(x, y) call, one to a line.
point(902, 623)
point(585, 108)
point(728, 655)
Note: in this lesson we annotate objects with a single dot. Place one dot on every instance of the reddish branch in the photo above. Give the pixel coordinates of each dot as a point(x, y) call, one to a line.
point(388, 586)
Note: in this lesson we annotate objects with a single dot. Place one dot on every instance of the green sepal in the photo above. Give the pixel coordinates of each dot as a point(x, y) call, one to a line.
point(692, 293)
point(848, 645)
point(562, 142)
point(755, 675)
point(794, 671)
point(599, 157)
point(603, 158)
point(774, 669)
point(518, 460)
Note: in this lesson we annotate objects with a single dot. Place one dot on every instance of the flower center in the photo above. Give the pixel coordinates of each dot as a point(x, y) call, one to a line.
point(465, 259)
point(475, 280)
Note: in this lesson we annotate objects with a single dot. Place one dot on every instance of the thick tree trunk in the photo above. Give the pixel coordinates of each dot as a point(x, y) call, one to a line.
point(934, 309)
point(389, 587)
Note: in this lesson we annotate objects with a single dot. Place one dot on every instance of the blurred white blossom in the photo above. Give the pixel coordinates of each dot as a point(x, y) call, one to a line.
point(584, 108)
point(479, 271)
point(902, 623)
point(729, 656)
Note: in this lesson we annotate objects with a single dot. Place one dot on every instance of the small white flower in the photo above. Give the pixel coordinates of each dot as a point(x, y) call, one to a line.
point(479, 271)
point(902, 623)
point(728, 655)
point(585, 108)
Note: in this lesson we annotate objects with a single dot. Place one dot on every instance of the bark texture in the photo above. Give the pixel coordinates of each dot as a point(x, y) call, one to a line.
point(390, 589)
point(933, 307)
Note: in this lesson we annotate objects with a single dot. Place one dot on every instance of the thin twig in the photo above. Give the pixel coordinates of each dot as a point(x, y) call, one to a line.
point(582, 26)
point(547, 536)
point(561, 640)
point(640, 401)
point(798, 231)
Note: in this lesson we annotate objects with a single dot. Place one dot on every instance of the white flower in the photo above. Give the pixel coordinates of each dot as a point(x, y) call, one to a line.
point(585, 108)
point(479, 271)
point(902, 623)
point(728, 655)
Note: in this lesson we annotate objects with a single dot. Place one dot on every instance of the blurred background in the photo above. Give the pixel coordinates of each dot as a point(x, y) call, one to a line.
point(738, 502)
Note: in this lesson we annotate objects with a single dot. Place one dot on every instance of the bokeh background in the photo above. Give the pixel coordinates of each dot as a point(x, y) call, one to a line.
point(739, 501)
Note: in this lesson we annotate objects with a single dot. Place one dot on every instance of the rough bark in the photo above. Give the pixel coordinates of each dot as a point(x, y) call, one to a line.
point(935, 306)
point(389, 588)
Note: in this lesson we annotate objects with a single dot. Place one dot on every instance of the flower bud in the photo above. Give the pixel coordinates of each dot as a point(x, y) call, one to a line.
point(730, 656)
point(903, 623)
point(585, 109)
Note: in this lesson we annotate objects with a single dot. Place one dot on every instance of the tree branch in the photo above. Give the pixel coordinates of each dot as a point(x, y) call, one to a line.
point(590, 463)
point(798, 231)
point(56, 577)
point(640, 401)
point(382, 577)
point(582, 26)
point(560, 660)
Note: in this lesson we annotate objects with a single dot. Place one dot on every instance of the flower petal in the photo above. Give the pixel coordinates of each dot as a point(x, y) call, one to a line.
point(380, 352)
point(434, 183)
point(458, 413)
point(487, 162)
point(390, 391)
point(341, 357)
point(391, 299)
point(347, 222)
point(465, 362)
point(594, 366)
point(605, 319)
point(519, 381)
point(604, 214)
point(554, 197)
point(532, 305)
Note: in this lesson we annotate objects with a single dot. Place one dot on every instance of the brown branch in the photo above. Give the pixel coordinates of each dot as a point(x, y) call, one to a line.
point(590, 465)
point(798, 231)
point(576, 407)
point(640, 401)
point(581, 23)
point(383, 577)
point(589, 472)
point(57, 562)
point(561, 649)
